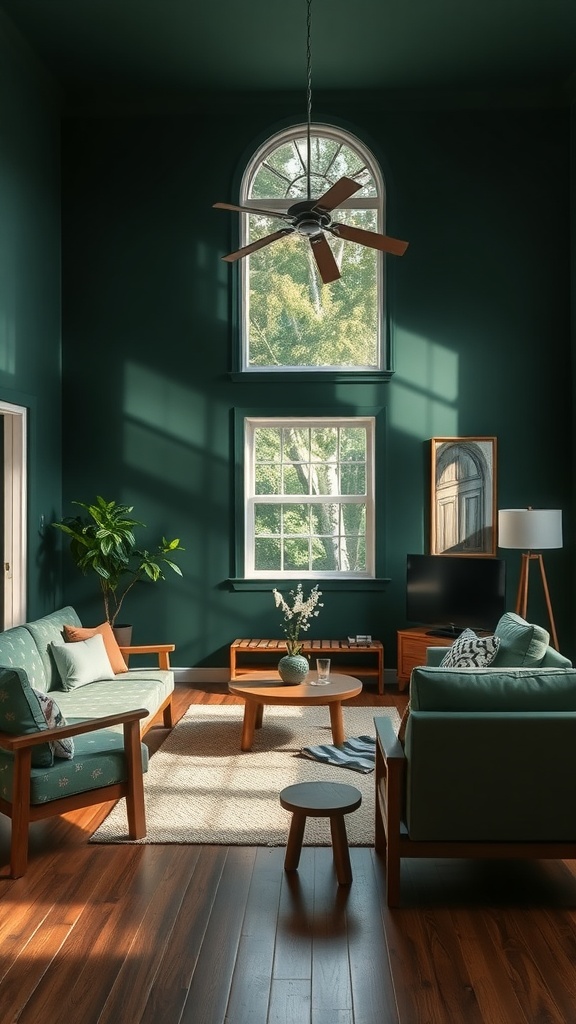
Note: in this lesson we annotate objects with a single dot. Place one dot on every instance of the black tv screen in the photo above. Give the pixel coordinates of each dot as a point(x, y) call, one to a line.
point(451, 593)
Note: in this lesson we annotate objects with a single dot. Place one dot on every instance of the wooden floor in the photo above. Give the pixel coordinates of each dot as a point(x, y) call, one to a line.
point(209, 934)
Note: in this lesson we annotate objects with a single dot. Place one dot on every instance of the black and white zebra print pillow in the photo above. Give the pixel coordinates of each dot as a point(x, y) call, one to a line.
point(471, 651)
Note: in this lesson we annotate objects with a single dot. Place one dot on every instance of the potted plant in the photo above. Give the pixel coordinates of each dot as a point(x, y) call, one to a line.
point(103, 541)
point(293, 667)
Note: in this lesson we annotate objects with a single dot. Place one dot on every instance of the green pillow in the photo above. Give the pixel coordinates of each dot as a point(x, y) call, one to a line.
point(20, 712)
point(83, 662)
point(522, 644)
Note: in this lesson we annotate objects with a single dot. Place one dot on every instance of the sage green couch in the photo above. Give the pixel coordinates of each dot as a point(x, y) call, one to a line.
point(488, 766)
point(28, 647)
point(34, 782)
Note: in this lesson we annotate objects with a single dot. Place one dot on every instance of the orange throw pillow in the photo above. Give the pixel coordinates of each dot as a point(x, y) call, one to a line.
point(74, 633)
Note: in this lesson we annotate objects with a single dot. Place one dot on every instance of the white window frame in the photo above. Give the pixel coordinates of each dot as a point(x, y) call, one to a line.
point(251, 500)
point(377, 203)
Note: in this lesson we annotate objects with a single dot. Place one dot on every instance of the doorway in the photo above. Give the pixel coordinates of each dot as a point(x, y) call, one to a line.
point(13, 515)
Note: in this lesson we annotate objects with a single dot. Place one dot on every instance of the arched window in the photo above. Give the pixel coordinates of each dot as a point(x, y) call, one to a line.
point(290, 319)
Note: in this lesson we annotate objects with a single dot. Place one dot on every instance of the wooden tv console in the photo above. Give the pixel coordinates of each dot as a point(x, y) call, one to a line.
point(412, 644)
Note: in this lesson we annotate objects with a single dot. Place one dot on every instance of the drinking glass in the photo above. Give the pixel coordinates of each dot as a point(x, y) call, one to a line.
point(322, 672)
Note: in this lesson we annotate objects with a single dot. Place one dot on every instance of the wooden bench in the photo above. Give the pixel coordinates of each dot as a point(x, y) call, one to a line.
point(361, 660)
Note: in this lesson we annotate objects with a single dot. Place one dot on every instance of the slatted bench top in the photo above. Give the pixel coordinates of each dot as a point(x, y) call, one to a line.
point(307, 645)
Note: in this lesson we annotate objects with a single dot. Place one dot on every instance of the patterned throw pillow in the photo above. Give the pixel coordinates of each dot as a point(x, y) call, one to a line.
point(471, 651)
point(54, 718)
point(21, 714)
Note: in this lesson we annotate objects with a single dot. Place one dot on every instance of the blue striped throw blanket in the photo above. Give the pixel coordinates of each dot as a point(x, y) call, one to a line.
point(359, 754)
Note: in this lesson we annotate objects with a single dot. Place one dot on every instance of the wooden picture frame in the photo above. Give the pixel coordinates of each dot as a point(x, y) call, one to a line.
point(463, 507)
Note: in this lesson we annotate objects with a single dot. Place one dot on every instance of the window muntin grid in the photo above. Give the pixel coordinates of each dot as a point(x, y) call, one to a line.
point(309, 497)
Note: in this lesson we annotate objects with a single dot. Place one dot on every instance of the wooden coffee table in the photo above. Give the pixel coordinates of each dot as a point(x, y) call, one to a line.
point(258, 691)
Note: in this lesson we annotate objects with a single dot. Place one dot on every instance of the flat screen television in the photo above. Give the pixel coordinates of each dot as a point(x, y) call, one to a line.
point(452, 593)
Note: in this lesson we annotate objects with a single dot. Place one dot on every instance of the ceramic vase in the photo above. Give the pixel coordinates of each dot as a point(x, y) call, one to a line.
point(293, 668)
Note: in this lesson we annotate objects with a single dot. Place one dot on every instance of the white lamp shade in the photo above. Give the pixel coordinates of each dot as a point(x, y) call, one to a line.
point(531, 529)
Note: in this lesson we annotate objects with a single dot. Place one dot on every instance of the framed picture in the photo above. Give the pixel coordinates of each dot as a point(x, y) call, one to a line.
point(463, 496)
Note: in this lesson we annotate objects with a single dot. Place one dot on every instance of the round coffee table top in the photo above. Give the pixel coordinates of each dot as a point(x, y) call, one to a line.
point(320, 798)
point(273, 691)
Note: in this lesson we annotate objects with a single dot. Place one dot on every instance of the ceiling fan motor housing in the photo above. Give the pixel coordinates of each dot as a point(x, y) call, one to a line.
point(308, 220)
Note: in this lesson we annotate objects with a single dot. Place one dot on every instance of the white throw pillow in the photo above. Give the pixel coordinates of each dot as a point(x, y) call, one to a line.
point(471, 651)
point(83, 662)
point(54, 718)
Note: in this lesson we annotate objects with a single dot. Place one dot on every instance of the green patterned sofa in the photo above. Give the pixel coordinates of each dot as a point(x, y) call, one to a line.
point(47, 767)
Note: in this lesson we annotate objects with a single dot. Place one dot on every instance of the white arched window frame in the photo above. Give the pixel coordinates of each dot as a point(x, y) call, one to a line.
point(370, 198)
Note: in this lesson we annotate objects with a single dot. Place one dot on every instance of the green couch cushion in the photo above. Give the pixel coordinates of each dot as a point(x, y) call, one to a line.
point(18, 650)
point(513, 689)
point(480, 776)
point(21, 713)
point(553, 659)
point(45, 631)
point(125, 692)
point(521, 643)
point(98, 761)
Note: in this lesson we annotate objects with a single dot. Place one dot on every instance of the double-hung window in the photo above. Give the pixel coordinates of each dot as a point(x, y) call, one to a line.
point(309, 497)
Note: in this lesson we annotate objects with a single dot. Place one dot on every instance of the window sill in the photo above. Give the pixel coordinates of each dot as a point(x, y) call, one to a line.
point(309, 375)
point(357, 585)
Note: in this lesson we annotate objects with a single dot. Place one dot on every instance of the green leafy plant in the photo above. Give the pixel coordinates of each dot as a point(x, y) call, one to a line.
point(103, 541)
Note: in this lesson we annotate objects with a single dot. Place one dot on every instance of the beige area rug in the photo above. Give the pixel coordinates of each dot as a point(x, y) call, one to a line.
point(200, 787)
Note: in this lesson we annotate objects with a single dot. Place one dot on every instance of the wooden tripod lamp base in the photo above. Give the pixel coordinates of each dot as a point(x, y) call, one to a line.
point(531, 529)
point(522, 595)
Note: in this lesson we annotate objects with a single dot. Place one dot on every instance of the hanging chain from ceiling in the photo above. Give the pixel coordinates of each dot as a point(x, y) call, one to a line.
point(308, 97)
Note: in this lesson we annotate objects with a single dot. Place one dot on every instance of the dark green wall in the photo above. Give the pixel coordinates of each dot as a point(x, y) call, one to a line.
point(573, 309)
point(480, 319)
point(30, 291)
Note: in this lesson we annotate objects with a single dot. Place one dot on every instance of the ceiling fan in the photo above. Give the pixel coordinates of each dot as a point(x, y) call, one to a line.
point(311, 218)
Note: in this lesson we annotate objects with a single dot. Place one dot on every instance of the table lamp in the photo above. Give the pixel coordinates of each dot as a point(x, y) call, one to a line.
point(529, 529)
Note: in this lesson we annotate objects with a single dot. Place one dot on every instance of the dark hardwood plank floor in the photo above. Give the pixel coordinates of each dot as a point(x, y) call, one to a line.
point(220, 935)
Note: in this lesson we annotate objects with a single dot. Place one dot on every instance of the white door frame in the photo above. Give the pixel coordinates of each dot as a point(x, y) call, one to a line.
point(14, 569)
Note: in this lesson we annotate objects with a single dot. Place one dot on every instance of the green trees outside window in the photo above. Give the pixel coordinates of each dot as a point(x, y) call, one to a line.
point(290, 319)
point(309, 490)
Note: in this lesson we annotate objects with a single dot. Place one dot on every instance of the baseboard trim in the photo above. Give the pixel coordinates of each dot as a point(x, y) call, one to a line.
point(201, 675)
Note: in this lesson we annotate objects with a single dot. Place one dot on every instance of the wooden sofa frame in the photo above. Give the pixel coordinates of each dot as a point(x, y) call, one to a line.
point(22, 812)
point(392, 841)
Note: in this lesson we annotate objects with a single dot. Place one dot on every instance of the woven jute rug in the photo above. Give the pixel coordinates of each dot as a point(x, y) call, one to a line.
point(200, 787)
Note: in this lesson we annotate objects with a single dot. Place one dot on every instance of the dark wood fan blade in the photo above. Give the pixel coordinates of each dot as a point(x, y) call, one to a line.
point(250, 209)
point(327, 266)
point(370, 238)
point(340, 191)
point(258, 244)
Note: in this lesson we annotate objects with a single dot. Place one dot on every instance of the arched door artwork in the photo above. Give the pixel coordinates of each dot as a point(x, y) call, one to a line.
point(463, 508)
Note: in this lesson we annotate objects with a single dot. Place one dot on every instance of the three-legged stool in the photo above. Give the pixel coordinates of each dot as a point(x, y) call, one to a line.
point(320, 800)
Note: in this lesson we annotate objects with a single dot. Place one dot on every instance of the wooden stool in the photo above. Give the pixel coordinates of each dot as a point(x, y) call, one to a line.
point(320, 800)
